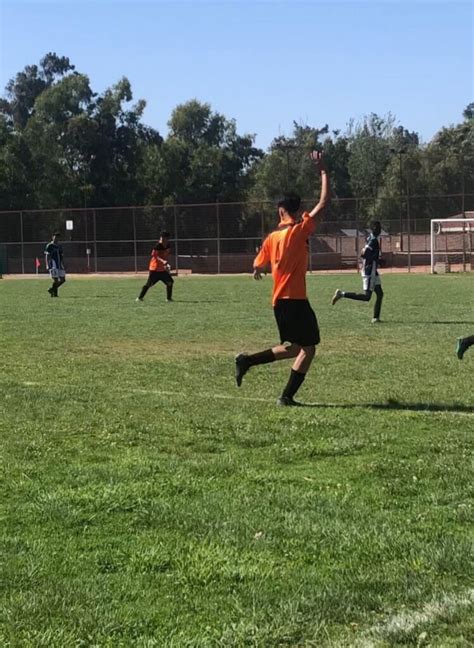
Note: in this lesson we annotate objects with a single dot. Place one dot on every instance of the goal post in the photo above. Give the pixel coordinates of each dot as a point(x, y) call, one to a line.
point(452, 244)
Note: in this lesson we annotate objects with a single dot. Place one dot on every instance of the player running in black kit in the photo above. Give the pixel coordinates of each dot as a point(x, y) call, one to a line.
point(371, 281)
point(55, 264)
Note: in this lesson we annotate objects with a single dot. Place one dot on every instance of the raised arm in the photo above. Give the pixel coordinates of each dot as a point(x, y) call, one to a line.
point(324, 198)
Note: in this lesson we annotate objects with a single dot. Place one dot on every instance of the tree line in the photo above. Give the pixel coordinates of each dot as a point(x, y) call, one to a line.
point(64, 145)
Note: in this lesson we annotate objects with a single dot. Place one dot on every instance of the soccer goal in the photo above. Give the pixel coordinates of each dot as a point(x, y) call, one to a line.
point(452, 245)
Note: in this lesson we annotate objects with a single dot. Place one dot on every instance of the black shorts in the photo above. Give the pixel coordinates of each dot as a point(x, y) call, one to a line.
point(155, 277)
point(296, 322)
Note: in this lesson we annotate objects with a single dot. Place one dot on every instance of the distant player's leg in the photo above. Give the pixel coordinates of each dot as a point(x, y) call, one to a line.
point(340, 294)
point(169, 287)
point(60, 282)
point(378, 303)
point(151, 281)
point(54, 287)
point(463, 345)
point(53, 273)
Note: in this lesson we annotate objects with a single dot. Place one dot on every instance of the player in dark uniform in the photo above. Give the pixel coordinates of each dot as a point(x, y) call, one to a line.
point(286, 249)
point(159, 268)
point(55, 264)
point(371, 281)
point(463, 345)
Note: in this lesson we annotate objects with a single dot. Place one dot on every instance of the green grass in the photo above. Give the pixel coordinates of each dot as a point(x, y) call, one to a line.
point(146, 501)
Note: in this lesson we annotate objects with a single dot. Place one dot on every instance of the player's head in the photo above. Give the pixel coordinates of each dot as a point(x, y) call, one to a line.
point(55, 236)
point(288, 206)
point(376, 227)
point(164, 237)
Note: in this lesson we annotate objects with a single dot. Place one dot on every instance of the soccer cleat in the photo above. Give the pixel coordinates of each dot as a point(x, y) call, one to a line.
point(139, 299)
point(337, 296)
point(241, 367)
point(287, 401)
point(376, 320)
point(51, 292)
point(169, 300)
point(461, 347)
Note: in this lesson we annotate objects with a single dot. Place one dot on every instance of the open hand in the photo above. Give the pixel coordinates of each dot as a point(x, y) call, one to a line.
point(317, 159)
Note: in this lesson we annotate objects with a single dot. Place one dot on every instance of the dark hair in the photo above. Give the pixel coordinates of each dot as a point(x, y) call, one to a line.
point(56, 234)
point(165, 234)
point(375, 224)
point(290, 202)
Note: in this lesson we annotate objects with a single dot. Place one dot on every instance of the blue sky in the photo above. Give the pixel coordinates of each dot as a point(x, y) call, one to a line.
point(263, 63)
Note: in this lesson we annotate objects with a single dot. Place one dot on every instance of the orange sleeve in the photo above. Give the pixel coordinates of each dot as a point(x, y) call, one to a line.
point(307, 225)
point(263, 257)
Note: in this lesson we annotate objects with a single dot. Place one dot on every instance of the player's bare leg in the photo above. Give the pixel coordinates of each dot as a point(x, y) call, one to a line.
point(244, 361)
point(298, 373)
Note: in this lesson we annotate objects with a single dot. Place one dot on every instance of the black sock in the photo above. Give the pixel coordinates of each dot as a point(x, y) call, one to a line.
point(169, 291)
point(357, 296)
point(143, 292)
point(263, 357)
point(294, 383)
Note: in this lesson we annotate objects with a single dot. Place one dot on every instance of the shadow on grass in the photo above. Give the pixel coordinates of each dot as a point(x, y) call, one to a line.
point(433, 322)
point(397, 405)
point(207, 301)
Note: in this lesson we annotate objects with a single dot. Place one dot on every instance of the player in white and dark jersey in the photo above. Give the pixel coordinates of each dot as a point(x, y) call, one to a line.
point(371, 281)
point(55, 264)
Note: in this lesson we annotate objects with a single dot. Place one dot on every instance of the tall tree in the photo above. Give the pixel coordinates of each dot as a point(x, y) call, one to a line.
point(203, 159)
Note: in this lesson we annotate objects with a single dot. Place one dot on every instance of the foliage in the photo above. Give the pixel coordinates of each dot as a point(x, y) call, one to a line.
point(63, 145)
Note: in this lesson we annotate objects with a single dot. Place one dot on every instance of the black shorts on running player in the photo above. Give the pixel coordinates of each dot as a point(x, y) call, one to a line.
point(296, 322)
point(155, 276)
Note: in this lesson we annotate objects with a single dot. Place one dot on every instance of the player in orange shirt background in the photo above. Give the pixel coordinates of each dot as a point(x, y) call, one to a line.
point(286, 249)
point(159, 268)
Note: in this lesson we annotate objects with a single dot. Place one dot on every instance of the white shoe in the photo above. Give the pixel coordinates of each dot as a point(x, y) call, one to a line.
point(376, 320)
point(138, 299)
point(337, 296)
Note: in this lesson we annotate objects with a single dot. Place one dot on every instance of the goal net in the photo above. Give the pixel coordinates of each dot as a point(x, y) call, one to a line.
point(452, 245)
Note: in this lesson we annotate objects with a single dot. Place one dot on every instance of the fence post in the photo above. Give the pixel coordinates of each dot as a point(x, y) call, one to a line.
point(95, 239)
point(463, 207)
point(218, 239)
point(21, 246)
point(134, 239)
point(175, 217)
point(408, 230)
point(357, 232)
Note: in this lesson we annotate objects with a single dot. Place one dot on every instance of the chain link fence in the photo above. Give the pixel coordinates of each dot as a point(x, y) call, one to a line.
point(221, 238)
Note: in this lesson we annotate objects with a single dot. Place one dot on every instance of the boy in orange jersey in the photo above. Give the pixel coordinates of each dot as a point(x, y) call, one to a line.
point(286, 249)
point(159, 269)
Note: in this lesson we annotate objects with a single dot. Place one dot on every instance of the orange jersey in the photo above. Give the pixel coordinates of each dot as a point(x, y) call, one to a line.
point(287, 251)
point(159, 258)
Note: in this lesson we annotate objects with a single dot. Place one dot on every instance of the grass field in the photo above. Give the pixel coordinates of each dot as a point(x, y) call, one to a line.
point(146, 501)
